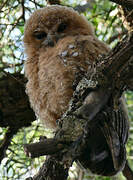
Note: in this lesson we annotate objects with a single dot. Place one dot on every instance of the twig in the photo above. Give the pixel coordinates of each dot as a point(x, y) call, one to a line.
point(84, 7)
point(53, 2)
point(116, 36)
point(7, 141)
point(3, 4)
point(23, 9)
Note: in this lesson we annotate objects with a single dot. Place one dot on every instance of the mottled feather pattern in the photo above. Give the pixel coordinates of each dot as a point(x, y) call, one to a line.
point(51, 70)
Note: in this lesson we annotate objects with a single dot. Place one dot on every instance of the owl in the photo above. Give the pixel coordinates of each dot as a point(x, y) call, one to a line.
point(59, 43)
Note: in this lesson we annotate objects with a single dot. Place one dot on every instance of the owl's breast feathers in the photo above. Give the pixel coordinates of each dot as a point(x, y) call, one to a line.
point(50, 84)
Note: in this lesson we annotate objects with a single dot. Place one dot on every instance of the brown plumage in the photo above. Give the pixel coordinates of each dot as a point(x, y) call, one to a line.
point(59, 43)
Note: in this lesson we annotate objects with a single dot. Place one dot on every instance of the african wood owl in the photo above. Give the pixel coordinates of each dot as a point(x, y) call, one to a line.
point(59, 43)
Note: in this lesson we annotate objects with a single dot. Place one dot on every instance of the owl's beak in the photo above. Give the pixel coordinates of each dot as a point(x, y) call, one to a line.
point(49, 41)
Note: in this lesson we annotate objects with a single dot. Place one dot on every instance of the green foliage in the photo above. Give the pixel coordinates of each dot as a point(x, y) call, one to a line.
point(13, 15)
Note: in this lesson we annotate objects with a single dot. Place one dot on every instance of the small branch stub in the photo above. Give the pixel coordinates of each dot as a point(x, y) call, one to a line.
point(46, 147)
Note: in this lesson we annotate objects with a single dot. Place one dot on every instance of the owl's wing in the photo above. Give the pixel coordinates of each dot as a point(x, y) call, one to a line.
point(115, 129)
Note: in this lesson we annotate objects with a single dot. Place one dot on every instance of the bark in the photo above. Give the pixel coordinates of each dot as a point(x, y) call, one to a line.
point(52, 169)
point(15, 109)
point(46, 147)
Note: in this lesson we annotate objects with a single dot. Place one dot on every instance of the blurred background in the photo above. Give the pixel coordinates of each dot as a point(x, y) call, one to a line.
point(13, 14)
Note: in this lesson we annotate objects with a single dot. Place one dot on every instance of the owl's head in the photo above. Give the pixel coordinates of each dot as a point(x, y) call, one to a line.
point(48, 25)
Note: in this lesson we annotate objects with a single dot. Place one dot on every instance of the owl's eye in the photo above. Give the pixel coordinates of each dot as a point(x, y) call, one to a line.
point(62, 27)
point(40, 35)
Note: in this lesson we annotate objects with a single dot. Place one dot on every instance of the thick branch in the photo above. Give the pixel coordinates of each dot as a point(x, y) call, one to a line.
point(52, 169)
point(15, 111)
point(117, 68)
point(120, 58)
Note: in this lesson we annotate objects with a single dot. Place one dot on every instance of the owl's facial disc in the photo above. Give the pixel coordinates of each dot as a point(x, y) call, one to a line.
point(45, 38)
point(55, 34)
point(52, 36)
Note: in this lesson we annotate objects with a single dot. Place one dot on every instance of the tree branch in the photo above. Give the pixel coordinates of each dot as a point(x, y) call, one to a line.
point(127, 3)
point(15, 111)
point(46, 147)
point(127, 172)
point(84, 7)
point(52, 169)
